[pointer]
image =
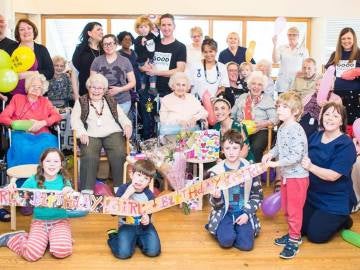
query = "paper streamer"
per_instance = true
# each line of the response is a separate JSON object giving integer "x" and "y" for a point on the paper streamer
{"x": 116, "y": 206}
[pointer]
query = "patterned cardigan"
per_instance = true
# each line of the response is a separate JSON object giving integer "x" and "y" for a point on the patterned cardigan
{"x": 252, "y": 200}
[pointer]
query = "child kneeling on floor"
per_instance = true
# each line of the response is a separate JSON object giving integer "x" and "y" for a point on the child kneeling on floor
{"x": 138, "y": 230}
{"x": 233, "y": 218}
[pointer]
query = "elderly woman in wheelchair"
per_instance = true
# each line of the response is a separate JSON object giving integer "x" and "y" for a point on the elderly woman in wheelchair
{"x": 30, "y": 117}
{"x": 180, "y": 110}
{"x": 100, "y": 122}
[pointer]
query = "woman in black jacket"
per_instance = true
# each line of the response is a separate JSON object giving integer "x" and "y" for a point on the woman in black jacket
{"x": 25, "y": 34}
{"x": 85, "y": 53}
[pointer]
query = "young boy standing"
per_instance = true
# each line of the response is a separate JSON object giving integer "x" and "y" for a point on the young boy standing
{"x": 136, "y": 231}
{"x": 233, "y": 218}
{"x": 291, "y": 147}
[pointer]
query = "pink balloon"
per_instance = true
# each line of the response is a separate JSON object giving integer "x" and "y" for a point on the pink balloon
{"x": 206, "y": 101}
{"x": 271, "y": 205}
{"x": 326, "y": 85}
{"x": 102, "y": 189}
{"x": 356, "y": 129}
{"x": 279, "y": 26}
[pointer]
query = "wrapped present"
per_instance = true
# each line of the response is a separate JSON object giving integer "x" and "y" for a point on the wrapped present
{"x": 203, "y": 145}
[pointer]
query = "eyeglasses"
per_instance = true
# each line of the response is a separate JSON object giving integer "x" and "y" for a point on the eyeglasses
{"x": 110, "y": 44}
{"x": 292, "y": 35}
{"x": 96, "y": 88}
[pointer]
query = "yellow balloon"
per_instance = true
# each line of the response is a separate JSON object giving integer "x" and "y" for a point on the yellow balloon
{"x": 23, "y": 58}
{"x": 8, "y": 80}
{"x": 250, "y": 51}
{"x": 250, "y": 126}
{"x": 5, "y": 61}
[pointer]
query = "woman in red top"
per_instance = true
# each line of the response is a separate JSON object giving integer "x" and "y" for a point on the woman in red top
{"x": 32, "y": 107}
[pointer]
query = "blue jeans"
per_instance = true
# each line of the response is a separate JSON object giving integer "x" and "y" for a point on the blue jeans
{"x": 123, "y": 243}
{"x": 240, "y": 236}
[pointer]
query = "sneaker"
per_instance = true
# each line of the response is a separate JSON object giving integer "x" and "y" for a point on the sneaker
{"x": 283, "y": 240}
{"x": 290, "y": 250}
{"x": 111, "y": 231}
{"x": 4, "y": 238}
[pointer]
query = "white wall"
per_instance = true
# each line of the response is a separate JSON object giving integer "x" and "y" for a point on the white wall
{"x": 288, "y": 8}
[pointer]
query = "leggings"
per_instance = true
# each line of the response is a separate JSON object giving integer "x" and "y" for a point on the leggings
{"x": 31, "y": 246}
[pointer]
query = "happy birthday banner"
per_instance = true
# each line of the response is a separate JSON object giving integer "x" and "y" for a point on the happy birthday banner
{"x": 117, "y": 206}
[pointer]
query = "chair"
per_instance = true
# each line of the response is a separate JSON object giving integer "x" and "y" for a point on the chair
{"x": 14, "y": 173}
{"x": 102, "y": 158}
{"x": 268, "y": 148}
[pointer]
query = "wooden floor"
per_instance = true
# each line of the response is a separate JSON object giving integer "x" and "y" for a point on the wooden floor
{"x": 186, "y": 245}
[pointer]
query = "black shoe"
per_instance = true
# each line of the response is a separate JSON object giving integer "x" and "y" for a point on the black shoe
{"x": 348, "y": 223}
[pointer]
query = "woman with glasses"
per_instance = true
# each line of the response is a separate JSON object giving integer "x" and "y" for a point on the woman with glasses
{"x": 117, "y": 70}
{"x": 26, "y": 147}
{"x": 193, "y": 50}
{"x": 100, "y": 122}
{"x": 208, "y": 75}
{"x": 259, "y": 108}
{"x": 290, "y": 56}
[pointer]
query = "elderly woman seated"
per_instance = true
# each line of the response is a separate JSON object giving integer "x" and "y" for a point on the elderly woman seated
{"x": 259, "y": 108}
{"x": 180, "y": 110}
{"x": 41, "y": 114}
{"x": 100, "y": 122}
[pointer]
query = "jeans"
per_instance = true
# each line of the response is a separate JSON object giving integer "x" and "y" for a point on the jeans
{"x": 240, "y": 236}
{"x": 123, "y": 243}
{"x": 114, "y": 145}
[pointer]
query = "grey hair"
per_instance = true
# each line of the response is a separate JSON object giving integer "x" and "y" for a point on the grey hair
{"x": 257, "y": 75}
{"x": 266, "y": 63}
{"x": 97, "y": 77}
{"x": 176, "y": 76}
{"x": 35, "y": 75}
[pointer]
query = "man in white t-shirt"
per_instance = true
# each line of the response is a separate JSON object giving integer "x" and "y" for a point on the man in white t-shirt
{"x": 169, "y": 58}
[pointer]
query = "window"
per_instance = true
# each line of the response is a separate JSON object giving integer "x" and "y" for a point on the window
{"x": 333, "y": 28}
{"x": 62, "y": 35}
{"x": 220, "y": 34}
{"x": 262, "y": 33}
{"x": 183, "y": 26}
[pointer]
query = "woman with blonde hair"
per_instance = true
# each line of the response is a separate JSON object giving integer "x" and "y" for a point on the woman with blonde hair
{"x": 193, "y": 50}
{"x": 234, "y": 52}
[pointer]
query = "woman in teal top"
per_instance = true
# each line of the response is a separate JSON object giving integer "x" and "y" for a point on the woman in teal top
{"x": 50, "y": 227}
{"x": 222, "y": 109}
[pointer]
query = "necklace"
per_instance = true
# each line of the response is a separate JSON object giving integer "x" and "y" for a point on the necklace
{"x": 217, "y": 73}
{"x": 92, "y": 51}
{"x": 98, "y": 113}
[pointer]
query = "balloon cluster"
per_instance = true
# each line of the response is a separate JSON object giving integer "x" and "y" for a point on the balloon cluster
{"x": 22, "y": 59}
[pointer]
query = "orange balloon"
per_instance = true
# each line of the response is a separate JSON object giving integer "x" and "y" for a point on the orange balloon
{"x": 250, "y": 51}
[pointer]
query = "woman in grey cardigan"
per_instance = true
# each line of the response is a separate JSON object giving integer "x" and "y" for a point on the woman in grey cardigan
{"x": 258, "y": 107}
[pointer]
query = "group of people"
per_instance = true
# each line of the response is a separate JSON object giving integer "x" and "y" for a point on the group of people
{"x": 315, "y": 166}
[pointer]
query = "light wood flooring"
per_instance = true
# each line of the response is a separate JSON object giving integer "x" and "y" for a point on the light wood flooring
{"x": 186, "y": 245}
